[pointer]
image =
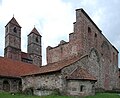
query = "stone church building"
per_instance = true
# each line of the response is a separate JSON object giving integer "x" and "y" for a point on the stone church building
{"x": 86, "y": 64}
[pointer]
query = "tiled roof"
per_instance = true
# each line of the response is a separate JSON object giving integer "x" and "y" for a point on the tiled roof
{"x": 35, "y": 31}
{"x": 14, "y": 68}
{"x": 80, "y": 74}
{"x": 13, "y": 21}
{"x": 57, "y": 66}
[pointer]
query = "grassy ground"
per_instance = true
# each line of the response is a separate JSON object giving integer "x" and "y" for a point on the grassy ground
{"x": 99, "y": 95}
{"x": 105, "y": 95}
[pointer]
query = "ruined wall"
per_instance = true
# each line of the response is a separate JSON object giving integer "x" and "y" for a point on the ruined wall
{"x": 88, "y": 36}
{"x": 10, "y": 84}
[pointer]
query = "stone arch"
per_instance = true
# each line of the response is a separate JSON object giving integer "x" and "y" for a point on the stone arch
{"x": 15, "y": 29}
{"x": 89, "y": 30}
{"x": 6, "y": 86}
{"x": 93, "y": 55}
{"x": 37, "y": 39}
{"x": 105, "y": 49}
{"x": 89, "y": 36}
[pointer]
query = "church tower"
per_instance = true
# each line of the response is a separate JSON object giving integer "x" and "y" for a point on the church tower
{"x": 13, "y": 40}
{"x": 34, "y": 47}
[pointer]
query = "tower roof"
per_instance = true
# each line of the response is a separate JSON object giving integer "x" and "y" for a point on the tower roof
{"x": 13, "y": 21}
{"x": 35, "y": 31}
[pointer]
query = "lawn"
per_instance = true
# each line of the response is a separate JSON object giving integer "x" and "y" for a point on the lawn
{"x": 99, "y": 95}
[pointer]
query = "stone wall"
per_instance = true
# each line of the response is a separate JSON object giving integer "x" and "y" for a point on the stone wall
{"x": 43, "y": 83}
{"x": 12, "y": 41}
{"x": 86, "y": 38}
{"x": 80, "y": 88}
{"x": 10, "y": 84}
{"x": 47, "y": 83}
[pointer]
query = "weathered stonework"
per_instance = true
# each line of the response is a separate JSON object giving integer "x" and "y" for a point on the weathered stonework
{"x": 10, "y": 84}
{"x": 13, "y": 44}
{"x": 47, "y": 83}
{"x": 88, "y": 48}
{"x": 80, "y": 88}
{"x": 87, "y": 39}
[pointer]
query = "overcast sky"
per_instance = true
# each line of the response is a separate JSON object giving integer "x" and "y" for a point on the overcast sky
{"x": 54, "y": 19}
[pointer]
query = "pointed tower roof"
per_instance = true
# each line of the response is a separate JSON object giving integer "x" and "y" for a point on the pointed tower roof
{"x": 35, "y": 31}
{"x": 13, "y": 21}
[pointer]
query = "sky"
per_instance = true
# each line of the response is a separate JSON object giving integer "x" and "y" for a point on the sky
{"x": 54, "y": 19}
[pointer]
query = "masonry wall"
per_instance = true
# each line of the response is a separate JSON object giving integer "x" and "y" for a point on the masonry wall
{"x": 86, "y": 37}
{"x": 10, "y": 84}
{"x": 43, "y": 84}
{"x": 80, "y": 88}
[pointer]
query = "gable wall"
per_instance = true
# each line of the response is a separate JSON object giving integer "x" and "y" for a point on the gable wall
{"x": 81, "y": 42}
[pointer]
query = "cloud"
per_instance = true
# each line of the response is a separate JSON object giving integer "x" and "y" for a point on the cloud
{"x": 54, "y": 18}
{"x": 0, "y": 2}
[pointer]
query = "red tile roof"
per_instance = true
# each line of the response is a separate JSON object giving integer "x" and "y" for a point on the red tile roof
{"x": 14, "y": 68}
{"x": 81, "y": 74}
{"x": 57, "y": 66}
{"x": 35, "y": 31}
{"x": 13, "y": 21}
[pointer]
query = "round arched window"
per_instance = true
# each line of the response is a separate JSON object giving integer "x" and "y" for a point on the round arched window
{"x": 15, "y": 30}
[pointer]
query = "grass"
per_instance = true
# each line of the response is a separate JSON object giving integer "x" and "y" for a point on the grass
{"x": 104, "y": 95}
{"x": 99, "y": 95}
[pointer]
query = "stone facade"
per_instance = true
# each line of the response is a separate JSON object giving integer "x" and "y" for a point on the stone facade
{"x": 13, "y": 44}
{"x": 13, "y": 40}
{"x": 34, "y": 47}
{"x": 43, "y": 83}
{"x": 10, "y": 84}
{"x": 80, "y": 88}
{"x": 88, "y": 39}
{"x": 88, "y": 57}
{"x": 47, "y": 83}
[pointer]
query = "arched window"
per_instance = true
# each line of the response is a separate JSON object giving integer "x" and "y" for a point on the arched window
{"x": 6, "y": 86}
{"x": 106, "y": 50}
{"x": 37, "y": 39}
{"x": 95, "y": 35}
{"x": 15, "y": 29}
{"x": 89, "y": 30}
{"x": 89, "y": 37}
